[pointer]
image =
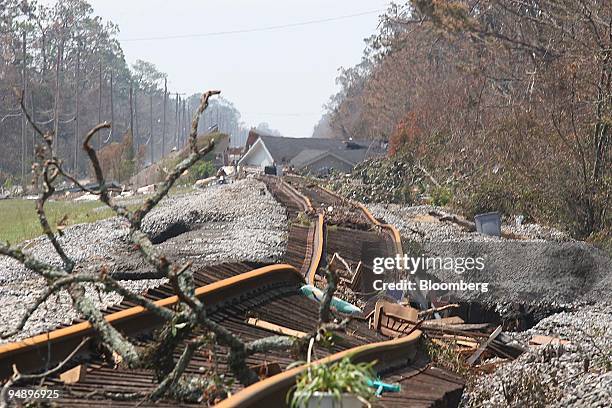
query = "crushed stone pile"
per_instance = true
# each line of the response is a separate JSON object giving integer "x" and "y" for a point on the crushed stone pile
{"x": 577, "y": 374}
{"x": 543, "y": 269}
{"x": 225, "y": 223}
{"x": 416, "y": 224}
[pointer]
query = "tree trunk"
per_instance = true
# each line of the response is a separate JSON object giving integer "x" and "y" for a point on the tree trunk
{"x": 76, "y": 113}
{"x": 112, "y": 108}
{"x": 151, "y": 139}
{"x": 100, "y": 102}
{"x": 132, "y": 112}
{"x": 57, "y": 96}
{"x": 24, "y": 86}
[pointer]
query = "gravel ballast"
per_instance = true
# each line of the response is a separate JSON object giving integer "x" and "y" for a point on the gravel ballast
{"x": 226, "y": 223}
{"x": 555, "y": 375}
{"x": 543, "y": 269}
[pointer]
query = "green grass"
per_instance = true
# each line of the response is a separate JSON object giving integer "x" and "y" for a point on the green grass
{"x": 19, "y": 221}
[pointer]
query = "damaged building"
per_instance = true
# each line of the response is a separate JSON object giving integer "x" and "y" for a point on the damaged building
{"x": 312, "y": 155}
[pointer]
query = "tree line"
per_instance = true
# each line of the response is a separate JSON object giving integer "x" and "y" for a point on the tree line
{"x": 72, "y": 70}
{"x": 507, "y": 102}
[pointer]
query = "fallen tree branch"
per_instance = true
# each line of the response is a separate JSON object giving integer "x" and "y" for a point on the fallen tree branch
{"x": 17, "y": 376}
{"x": 324, "y": 309}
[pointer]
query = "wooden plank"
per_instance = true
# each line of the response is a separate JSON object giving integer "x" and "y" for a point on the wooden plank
{"x": 403, "y": 313}
{"x": 437, "y": 309}
{"x": 262, "y": 324}
{"x": 445, "y": 321}
{"x": 474, "y": 357}
{"x": 539, "y": 340}
{"x": 466, "y": 326}
{"x": 73, "y": 375}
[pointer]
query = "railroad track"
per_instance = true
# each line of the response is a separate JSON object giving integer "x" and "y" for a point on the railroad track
{"x": 354, "y": 233}
{"x": 233, "y": 293}
{"x": 399, "y": 360}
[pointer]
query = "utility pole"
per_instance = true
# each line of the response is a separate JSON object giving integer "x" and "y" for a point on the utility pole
{"x": 176, "y": 120}
{"x": 57, "y": 94}
{"x": 189, "y": 118}
{"x": 24, "y": 85}
{"x": 163, "y": 148}
{"x": 112, "y": 107}
{"x": 76, "y": 114}
{"x": 151, "y": 141}
{"x": 100, "y": 102}
{"x": 184, "y": 130}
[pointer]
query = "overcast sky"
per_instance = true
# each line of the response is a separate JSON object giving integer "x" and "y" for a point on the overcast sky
{"x": 281, "y": 76}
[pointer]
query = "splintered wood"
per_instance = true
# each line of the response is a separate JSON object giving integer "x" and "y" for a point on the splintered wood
{"x": 473, "y": 340}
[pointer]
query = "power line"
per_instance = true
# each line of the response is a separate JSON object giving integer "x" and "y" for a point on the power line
{"x": 281, "y": 113}
{"x": 254, "y": 30}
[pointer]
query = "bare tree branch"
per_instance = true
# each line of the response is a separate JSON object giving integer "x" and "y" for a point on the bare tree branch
{"x": 17, "y": 376}
{"x": 324, "y": 312}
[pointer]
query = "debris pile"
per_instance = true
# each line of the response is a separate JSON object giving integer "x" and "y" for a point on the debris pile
{"x": 474, "y": 341}
{"x": 348, "y": 276}
{"x": 344, "y": 215}
{"x": 568, "y": 362}
{"x": 381, "y": 180}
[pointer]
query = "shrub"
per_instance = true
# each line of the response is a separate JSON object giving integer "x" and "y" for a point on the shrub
{"x": 201, "y": 170}
{"x": 342, "y": 377}
{"x": 441, "y": 196}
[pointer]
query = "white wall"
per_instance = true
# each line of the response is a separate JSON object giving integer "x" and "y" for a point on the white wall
{"x": 257, "y": 156}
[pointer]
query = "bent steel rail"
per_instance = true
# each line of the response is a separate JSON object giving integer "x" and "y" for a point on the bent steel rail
{"x": 318, "y": 246}
{"x": 38, "y": 351}
{"x": 318, "y": 240}
{"x": 297, "y": 196}
{"x": 389, "y": 228}
{"x": 272, "y": 391}
{"x": 48, "y": 348}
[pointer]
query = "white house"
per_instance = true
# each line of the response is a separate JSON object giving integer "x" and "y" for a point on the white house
{"x": 315, "y": 155}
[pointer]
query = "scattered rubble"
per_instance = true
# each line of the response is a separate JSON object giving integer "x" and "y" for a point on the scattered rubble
{"x": 577, "y": 374}
{"x": 380, "y": 180}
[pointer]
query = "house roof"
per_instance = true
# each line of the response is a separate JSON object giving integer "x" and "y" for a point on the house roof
{"x": 251, "y": 139}
{"x": 299, "y": 151}
{"x": 307, "y": 157}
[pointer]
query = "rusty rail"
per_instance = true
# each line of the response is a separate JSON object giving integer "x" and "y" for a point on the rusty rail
{"x": 272, "y": 391}
{"x": 45, "y": 349}
{"x": 30, "y": 354}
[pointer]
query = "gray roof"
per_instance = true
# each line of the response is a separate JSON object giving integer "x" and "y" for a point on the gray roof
{"x": 302, "y": 150}
{"x": 306, "y": 156}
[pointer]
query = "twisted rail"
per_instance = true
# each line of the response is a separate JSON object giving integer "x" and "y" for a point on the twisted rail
{"x": 272, "y": 391}
{"x": 35, "y": 352}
